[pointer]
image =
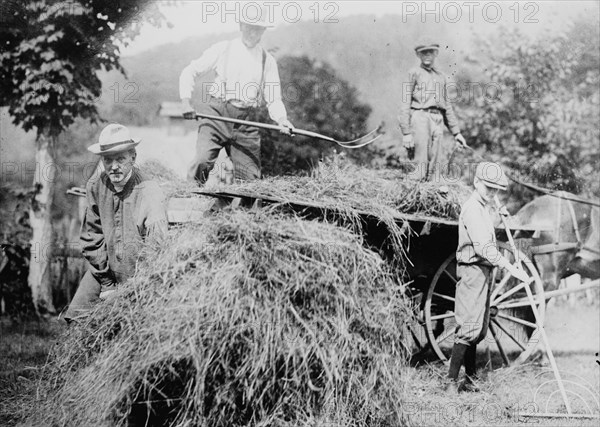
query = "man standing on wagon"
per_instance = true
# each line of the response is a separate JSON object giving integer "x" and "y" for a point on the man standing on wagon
{"x": 424, "y": 111}
{"x": 477, "y": 254}
{"x": 246, "y": 77}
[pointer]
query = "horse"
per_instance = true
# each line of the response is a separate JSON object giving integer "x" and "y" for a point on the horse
{"x": 572, "y": 244}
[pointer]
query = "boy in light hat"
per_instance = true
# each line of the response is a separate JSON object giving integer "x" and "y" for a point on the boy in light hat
{"x": 477, "y": 254}
{"x": 124, "y": 208}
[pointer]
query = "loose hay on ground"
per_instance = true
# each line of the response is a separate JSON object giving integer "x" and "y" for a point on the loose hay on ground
{"x": 246, "y": 319}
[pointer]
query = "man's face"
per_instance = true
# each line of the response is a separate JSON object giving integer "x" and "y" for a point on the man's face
{"x": 118, "y": 165}
{"x": 428, "y": 57}
{"x": 251, "y": 34}
{"x": 486, "y": 193}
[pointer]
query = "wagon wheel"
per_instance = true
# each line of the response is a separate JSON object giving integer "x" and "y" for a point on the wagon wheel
{"x": 512, "y": 324}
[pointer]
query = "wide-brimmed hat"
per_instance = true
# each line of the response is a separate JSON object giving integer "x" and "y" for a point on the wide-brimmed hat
{"x": 114, "y": 138}
{"x": 427, "y": 45}
{"x": 256, "y": 16}
{"x": 492, "y": 175}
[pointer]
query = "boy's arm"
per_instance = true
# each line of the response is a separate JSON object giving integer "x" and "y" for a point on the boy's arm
{"x": 484, "y": 244}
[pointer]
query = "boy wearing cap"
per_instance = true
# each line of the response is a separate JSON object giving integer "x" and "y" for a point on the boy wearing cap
{"x": 246, "y": 76}
{"x": 477, "y": 254}
{"x": 425, "y": 110}
{"x": 124, "y": 208}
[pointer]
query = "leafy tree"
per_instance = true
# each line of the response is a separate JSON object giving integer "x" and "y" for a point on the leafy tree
{"x": 537, "y": 112}
{"x": 51, "y": 52}
{"x": 318, "y": 100}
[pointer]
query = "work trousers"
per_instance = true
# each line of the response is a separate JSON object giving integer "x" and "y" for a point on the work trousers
{"x": 241, "y": 142}
{"x": 86, "y": 296}
{"x": 427, "y": 130}
{"x": 472, "y": 303}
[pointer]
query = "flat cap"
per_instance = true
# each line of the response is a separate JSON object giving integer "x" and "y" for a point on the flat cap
{"x": 427, "y": 46}
{"x": 492, "y": 175}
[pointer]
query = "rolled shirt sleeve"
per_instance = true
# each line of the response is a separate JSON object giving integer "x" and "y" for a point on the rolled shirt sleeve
{"x": 272, "y": 91}
{"x": 482, "y": 235}
{"x": 450, "y": 115}
{"x": 207, "y": 62}
{"x": 405, "y": 103}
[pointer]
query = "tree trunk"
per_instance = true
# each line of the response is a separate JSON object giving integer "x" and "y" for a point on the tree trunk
{"x": 40, "y": 218}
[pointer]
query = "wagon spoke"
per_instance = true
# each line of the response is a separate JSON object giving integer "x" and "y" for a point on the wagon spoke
{"x": 445, "y": 335}
{"x": 443, "y": 316}
{"x": 447, "y": 273}
{"x": 415, "y": 338}
{"x": 522, "y": 302}
{"x": 446, "y": 297}
{"x": 508, "y": 334}
{"x": 512, "y": 291}
{"x": 502, "y": 284}
{"x": 517, "y": 320}
{"x": 500, "y": 349}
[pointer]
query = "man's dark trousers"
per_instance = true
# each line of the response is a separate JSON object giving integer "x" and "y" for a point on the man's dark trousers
{"x": 241, "y": 142}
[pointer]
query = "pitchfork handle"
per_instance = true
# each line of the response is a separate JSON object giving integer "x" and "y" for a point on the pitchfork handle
{"x": 293, "y": 131}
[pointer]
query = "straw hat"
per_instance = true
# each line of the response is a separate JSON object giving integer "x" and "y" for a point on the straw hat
{"x": 114, "y": 138}
{"x": 253, "y": 18}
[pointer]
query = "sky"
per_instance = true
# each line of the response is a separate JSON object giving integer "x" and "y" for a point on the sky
{"x": 190, "y": 18}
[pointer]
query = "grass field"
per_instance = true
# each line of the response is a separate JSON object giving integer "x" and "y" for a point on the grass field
{"x": 24, "y": 348}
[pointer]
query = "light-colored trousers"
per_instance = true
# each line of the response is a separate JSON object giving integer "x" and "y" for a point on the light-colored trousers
{"x": 472, "y": 303}
{"x": 427, "y": 130}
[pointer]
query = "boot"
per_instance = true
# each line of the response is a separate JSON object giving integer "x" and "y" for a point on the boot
{"x": 471, "y": 361}
{"x": 469, "y": 385}
{"x": 452, "y": 386}
{"x": 456, "y": 361}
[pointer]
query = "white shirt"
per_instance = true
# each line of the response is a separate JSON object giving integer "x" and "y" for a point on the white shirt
{"x": 238, "y": 76}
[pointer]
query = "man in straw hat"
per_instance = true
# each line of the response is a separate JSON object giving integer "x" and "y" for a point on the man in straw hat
{"x": 246, "y": 77}
{"x": 476, "y": 256}
{"x": 124, "y": 208}
{"x": 424, "y": 111}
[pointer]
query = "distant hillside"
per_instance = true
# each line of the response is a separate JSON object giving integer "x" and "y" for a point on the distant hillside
{"x": 373, "y": 54}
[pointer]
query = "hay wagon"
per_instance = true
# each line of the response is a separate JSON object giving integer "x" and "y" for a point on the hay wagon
{"x": 430, "y": 246}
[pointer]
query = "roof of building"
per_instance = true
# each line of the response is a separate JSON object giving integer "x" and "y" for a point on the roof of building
{"x": 171, "y": 109}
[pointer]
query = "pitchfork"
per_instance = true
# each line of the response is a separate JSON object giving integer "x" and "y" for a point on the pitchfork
{"x": 356, "y": 143}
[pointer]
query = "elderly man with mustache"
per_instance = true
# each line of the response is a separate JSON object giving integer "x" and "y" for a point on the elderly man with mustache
{"x": 124, "y": 209}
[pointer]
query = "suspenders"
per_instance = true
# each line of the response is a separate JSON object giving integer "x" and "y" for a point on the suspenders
{"x": 261, "y": 98}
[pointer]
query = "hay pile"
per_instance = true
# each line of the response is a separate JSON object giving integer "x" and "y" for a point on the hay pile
{"x": 246, "y": 319}
{"x": 383, "y": 192}
{"x": 350, "y": 191}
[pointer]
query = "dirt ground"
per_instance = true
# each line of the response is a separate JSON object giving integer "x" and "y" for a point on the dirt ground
{"x": 507, "y": 393}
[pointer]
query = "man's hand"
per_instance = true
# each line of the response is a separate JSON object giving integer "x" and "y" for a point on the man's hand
{"x": 407, "y": 141}
{"x": 460, "y": 140}
{"x": 188, "y": 111}
{"x": 503, "y": 211}
{"x": 287, "y": 128}
{"x": 107, "y": 288}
